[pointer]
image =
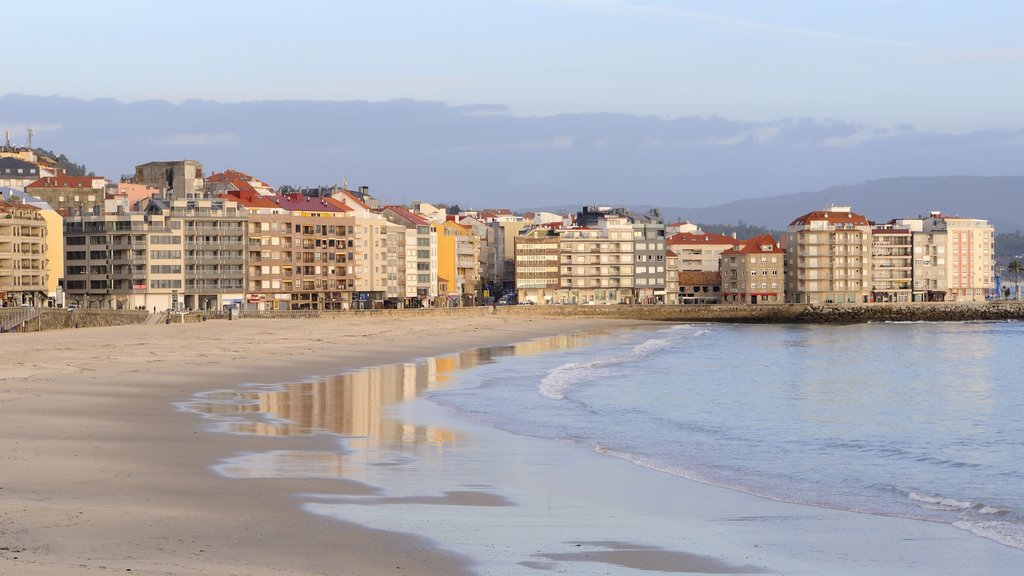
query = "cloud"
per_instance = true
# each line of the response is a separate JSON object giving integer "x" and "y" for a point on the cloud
{"x": 406, "y": 148}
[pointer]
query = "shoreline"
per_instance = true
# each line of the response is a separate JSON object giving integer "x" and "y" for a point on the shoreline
{"x": 41, "y": 319}
{"x": 102, "y": 473}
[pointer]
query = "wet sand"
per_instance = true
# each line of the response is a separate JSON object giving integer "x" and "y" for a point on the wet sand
{"x": 100, "y": 473}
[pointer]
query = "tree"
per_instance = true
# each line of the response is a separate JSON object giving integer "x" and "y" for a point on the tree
{"x": 1016, "y": 267}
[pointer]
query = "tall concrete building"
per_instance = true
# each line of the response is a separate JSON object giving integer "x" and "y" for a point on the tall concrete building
{"x": 182, "y": 178}
{"x": 537, "y": 258}
{"x": 954, "y": 258}
{"x": 183, "y": 254}
{"x": 417, "y": 257}
{"x": 596, "y": 264}
{"x": 23, "y": 278}
{"x": 892, "y": 263}
{"x": 828, "y": 257}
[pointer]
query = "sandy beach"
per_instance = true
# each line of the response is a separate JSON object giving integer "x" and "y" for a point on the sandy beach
{"x": 106, "y": 469}
{"x": 102, "y": 474}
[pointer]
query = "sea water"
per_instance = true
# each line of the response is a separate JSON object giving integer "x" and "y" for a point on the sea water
{"x": 916, "y": 420}
{"x": 552, "y": 453}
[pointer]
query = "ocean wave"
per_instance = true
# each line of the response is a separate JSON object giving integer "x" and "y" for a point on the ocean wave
{"x": 561, "y": 379}
{"x": 1006, "y": 533}
{"x": 940, "y": 503}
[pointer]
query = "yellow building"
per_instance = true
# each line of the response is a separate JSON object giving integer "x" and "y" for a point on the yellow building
{"x": 458, "y": 271}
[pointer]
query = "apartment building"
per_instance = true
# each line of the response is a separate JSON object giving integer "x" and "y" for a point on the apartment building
{"x": 954, "y": 258}
{"x": 23, "y": 278}
{"x": 54, "y": 241}
{"x": 892, "y": 263}
{"x": 699, "y": 251}
{"x": 753, "y": 272}
{"x": 70, "y": 194}
{"x": 537, "y": 260}
{"x": 417, "y": 255}
{"x": 596, "y": 264}
{"x": 180, "y": 254}
{"x": 18, "y": 172}
{"x": 649, "y": 259}
{"x": 124, "y": 261}
{"x": 828, "y": 257}
{"x": 458, "y": 271}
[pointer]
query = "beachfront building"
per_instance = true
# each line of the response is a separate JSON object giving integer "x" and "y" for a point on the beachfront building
{"x": 752, "y": 272}
{"x": 699, "y": 251}
{"x": 487, "y": 256}
{"x": 892, "y": 263}
{"x": 124, "y": 261}
{"x": 458, "y": 272}
{"x": 596, "y": 264}
{"x": 671, "y": 277}
{"x": 697, "y": 287}
{"x": 648, "y": 249}
{"x": 537, "y": 258}
{"x": 181, "y": 178}
{"x": 649, "y": 259}
{"x": 54, "y": 241}
{"x": 954, "y": 258}
{"x": 828, "y": 257}
{"x": 70, "y": 194}
{"x": 416, "y": 251}
{"x": 23, "y": 272}
{"x": 182, "y": 254}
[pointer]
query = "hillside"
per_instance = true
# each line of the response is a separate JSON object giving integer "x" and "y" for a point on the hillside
{"x": 997, "y": 199}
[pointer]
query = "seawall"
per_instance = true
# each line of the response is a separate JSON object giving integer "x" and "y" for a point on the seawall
{"x": 54, "y": 318}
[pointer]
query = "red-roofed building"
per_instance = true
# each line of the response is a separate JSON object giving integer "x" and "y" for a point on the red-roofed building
{"x": 697, "y": 287}
{"x": 753, "y": 272}
{"x": 828, "y": 257}
{"x": 233, "y": 180}
{"x": 417, "y": 255}
{"x": 70, "y": 194}
{"x": 699, "y": 251}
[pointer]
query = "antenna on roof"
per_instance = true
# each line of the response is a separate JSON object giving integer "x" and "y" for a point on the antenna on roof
{"x": 30, "y": 134}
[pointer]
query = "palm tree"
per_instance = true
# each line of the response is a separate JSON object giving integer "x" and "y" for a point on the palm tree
{"x": 1016, "y": 267}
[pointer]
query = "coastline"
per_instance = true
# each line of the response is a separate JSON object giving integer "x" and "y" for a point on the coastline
{"x": 101, "y": 473}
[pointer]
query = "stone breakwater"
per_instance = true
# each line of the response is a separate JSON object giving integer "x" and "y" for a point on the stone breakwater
{"x": 792, "y": 313}
{"x": 52, "y": 319}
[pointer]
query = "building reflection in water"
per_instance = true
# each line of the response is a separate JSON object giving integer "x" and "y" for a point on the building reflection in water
{"x": 351, "y": 404}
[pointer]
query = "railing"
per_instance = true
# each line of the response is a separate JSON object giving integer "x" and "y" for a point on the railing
{"x": 11, "y": 321}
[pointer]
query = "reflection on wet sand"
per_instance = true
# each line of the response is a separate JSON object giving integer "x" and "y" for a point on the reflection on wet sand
{"x": 350, "y": 404}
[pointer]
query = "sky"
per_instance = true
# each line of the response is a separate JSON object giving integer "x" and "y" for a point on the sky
{"x": 522, "y": 103}
{"x": 946, "y": 66}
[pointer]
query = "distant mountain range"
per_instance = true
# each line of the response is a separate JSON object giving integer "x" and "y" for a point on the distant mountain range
{"x": 998, "y": 199}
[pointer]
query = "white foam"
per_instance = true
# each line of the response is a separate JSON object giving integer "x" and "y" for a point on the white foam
{"x": 939, "y": 503}
{"x": 561, "y": 379}
{"x": 1006, "y": 533}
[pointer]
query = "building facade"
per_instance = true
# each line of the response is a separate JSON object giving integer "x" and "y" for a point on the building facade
{"x": 828, "y": 258}
{"x": 23, "y": 277}
{"x": 753, "y": 272}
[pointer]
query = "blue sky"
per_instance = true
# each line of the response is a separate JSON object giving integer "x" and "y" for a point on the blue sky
{"x": 940, "y": 66}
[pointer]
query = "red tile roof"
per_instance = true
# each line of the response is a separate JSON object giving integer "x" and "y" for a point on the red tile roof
{"x": 412, "y": 217}
{"x": 697, "y": 278}
{"x": 307, "y": 203}
{"x": 831, "y": 217}
{"x": 64, "y": 182}
{"x": 756, "y": 245}
{"x": 702, "y": 238}
{"x": 250, "y": 199}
